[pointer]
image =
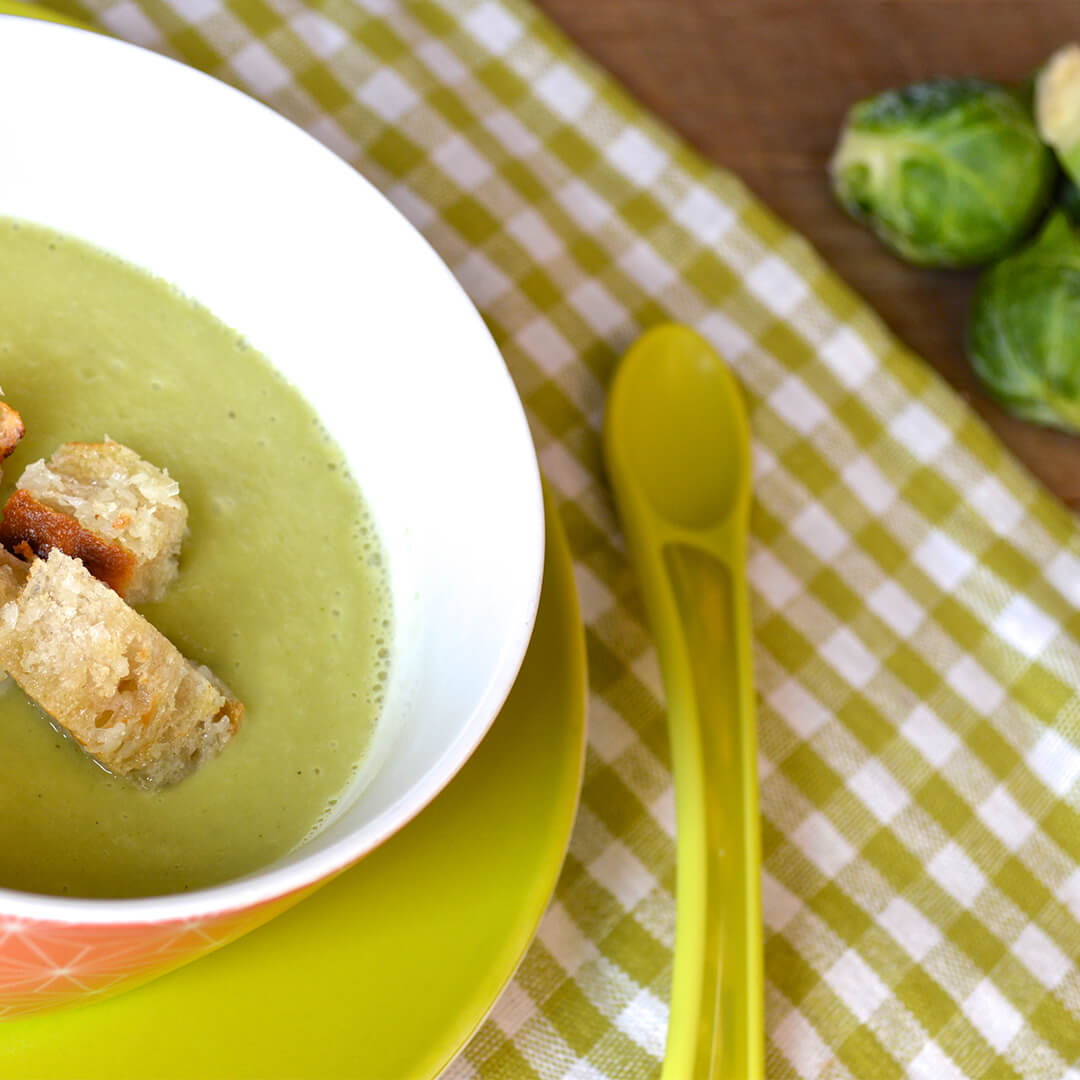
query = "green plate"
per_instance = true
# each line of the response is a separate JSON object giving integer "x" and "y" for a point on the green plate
{"x": 384, "y": 973}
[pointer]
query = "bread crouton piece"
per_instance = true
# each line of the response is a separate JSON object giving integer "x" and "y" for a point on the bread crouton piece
{"x": 28, "y": 523}
{"x": 13, "y": 573}
{"x": 105, "y": 505}
{"x": 11, "y": 430}
{"x": 117, "y": 685}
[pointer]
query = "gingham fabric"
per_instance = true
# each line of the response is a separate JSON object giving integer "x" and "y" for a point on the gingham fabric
{"x": 915, "y": 594}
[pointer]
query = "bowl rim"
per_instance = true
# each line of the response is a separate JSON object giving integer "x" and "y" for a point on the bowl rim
{"x": 299, "y": 874}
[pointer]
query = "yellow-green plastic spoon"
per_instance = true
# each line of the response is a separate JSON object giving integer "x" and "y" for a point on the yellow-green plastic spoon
{"x": 678, "y": 455}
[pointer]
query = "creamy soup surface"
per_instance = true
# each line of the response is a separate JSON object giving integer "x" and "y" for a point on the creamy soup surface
{"x": 282, "y": 588}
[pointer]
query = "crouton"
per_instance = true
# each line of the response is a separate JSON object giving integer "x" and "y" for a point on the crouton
{"x": 13, "y": 573}
{"x": 28, "y": 523}
{"x": 110, "y": 679}
{"x": 11, "y": 430}
{"x": 104, "y": 505}
{"x": 12, "y": 578}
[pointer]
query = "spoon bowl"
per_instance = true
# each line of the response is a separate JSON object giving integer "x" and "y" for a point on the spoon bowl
{"x": 679, "y": 424}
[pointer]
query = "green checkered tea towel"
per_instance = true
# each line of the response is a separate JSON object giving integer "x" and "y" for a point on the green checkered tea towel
{"x": 916, "y": 597}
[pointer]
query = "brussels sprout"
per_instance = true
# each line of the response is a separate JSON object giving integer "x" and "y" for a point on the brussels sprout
{"x": 1023, "y": 338}
{"x": 1057, "y": 107}
{"x": 948, "y": 173}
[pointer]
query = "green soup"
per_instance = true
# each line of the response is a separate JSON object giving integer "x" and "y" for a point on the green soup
{"x": 282, "y": 589}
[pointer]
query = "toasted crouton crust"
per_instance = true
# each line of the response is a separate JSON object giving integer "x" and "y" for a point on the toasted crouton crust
{"x": 12, "y": 430}
{"x": 28, "y": 521}
{"x": 114, "y": 682}
{"x": 102, "y": 503}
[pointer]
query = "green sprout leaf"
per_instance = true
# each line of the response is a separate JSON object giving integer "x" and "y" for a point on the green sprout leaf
{"x": 1069, "y": 200}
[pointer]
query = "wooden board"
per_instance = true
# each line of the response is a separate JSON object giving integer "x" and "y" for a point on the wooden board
{"x": 762, "y": 87}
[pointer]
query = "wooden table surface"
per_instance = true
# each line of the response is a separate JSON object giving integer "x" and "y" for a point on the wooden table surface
{"x": 761, "y": 87}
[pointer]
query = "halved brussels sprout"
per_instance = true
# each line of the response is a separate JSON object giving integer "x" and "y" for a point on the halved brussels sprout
{"x": 948, "y": 173}
{"x": 1057, "y": 107}
{"x": 1024, "y": 334}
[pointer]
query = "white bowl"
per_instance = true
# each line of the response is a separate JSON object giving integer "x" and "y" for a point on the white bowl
{"x": 194, "y": 181}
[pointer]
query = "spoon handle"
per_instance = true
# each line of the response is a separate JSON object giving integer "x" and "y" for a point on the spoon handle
{"x": 716, "y": 1021}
